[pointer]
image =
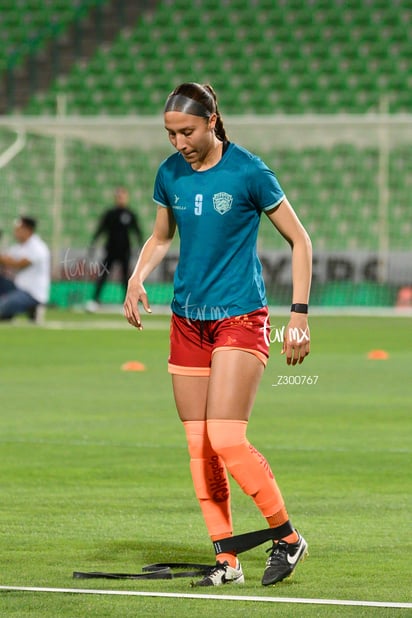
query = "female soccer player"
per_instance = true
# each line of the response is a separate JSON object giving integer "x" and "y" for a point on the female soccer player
{"x": 214, "y": 191}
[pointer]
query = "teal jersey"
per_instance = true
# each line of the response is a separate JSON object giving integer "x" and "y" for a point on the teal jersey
{"x": 217, "y": 213}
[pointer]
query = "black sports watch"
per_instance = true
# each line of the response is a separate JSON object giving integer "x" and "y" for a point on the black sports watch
{"x": 299, "y": 308}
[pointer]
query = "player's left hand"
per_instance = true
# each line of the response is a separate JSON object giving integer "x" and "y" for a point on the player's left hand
{"x": 296, "y": 341}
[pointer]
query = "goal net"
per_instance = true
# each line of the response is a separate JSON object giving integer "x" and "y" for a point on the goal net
{"x": 348, "y": 177}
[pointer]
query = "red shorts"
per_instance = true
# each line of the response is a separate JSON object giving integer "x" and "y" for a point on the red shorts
{"x": 193, "y": 342}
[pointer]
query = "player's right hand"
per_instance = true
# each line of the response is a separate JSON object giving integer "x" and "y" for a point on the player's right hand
{"x": 135, "y": 293}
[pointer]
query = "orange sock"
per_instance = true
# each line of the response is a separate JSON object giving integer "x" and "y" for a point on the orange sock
{"x": 247, "y": 466}
{"x": 281, "y": 518}
{"x": 231, "y": 559}
{"x": 210, "y": 481}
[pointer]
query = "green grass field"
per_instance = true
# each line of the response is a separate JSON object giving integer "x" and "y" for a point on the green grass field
{"x": 95, "y": 476}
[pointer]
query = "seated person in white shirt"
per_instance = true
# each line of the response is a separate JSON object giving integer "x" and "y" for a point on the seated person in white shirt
{"x": 29, "y": 263}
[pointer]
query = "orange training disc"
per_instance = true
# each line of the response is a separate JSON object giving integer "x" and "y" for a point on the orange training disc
{"x": 378, "y": 355}
{"x": 133, "y": 366}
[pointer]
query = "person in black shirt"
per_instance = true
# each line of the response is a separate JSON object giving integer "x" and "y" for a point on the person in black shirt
{"x": 117, "y": 224}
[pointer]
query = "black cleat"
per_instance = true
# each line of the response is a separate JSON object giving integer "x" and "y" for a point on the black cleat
{"x": 283, "y": 559}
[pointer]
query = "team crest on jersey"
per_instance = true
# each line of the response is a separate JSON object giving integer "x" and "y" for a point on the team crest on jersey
{"x": 222, "y": 202}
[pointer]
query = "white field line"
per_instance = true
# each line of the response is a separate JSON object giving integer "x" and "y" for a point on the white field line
{"x": 215, "y": 597}
{"x": 150, "y": 322}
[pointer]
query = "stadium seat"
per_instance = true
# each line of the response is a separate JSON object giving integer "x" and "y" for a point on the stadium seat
{"x": 238, "y": 36}
{"x": 263, "y": 57}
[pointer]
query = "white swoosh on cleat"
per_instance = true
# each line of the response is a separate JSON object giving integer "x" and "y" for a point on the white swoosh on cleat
{"x": 293, "y": 559}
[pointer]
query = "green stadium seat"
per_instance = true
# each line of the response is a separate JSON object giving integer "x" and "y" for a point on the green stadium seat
{"x": 263, "y": 57}
{"x": 232, "y": 45}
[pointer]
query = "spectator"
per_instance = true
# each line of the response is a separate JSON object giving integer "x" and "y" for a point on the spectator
{"x": 28, "y": 262}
